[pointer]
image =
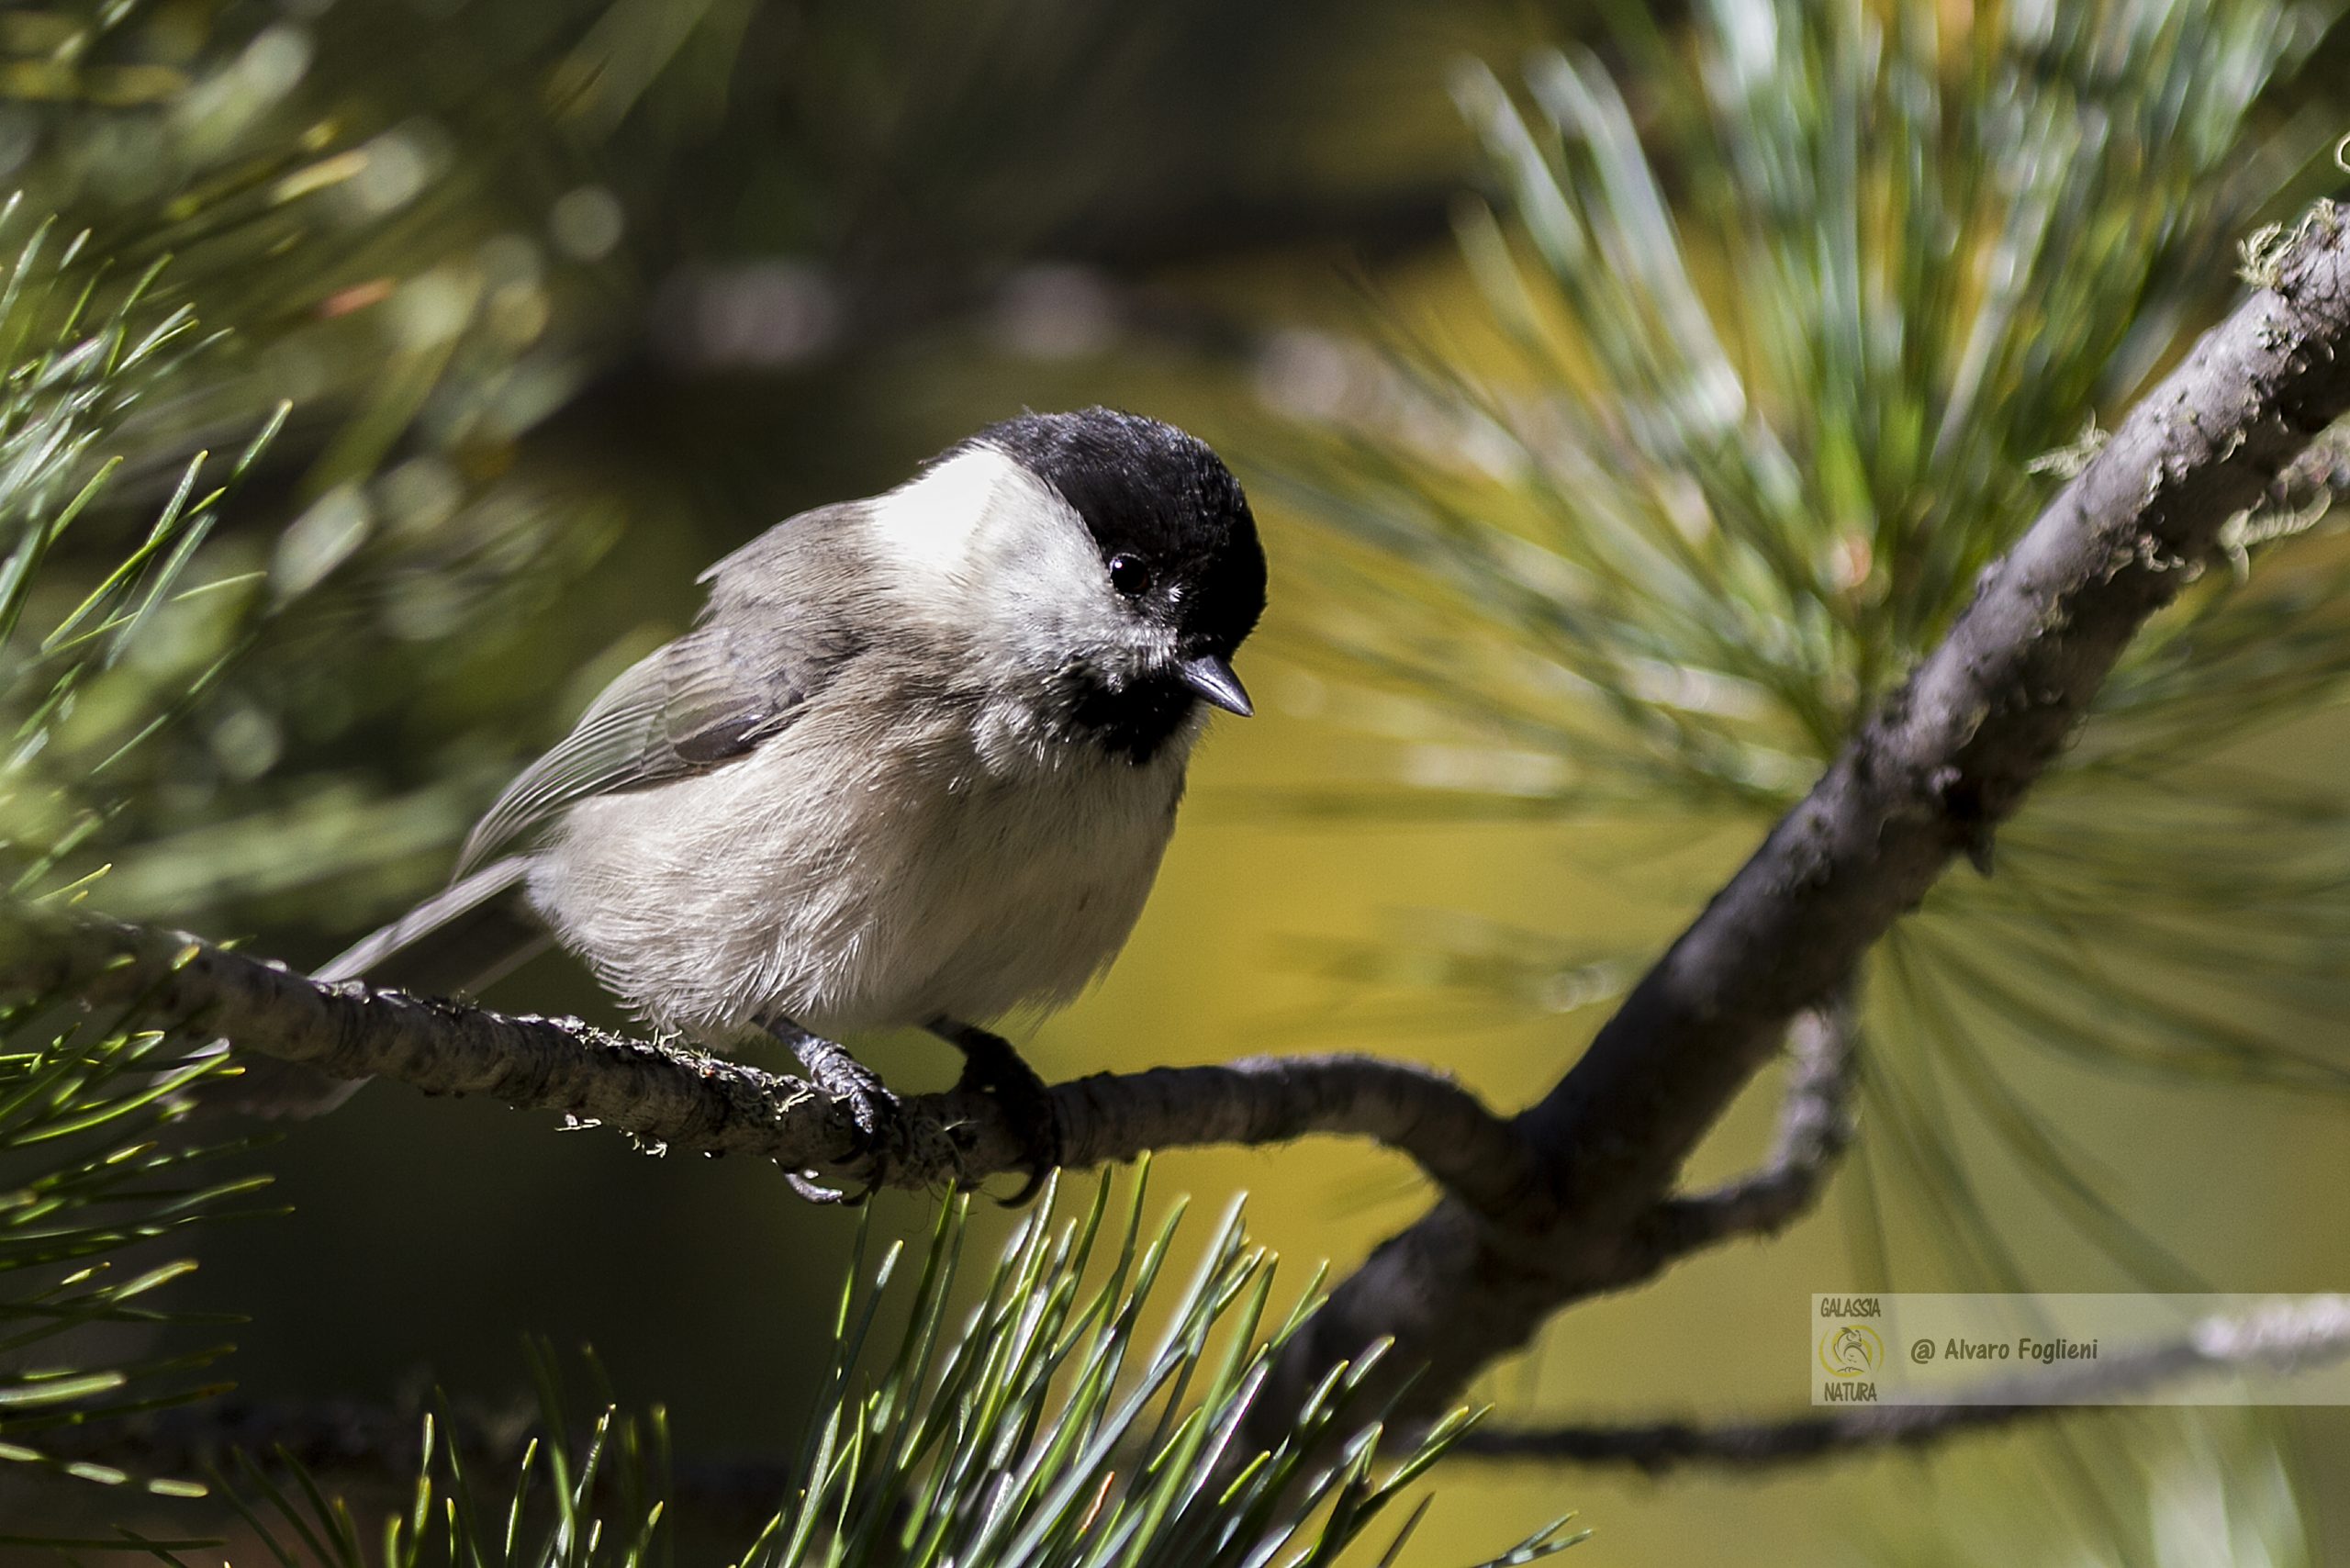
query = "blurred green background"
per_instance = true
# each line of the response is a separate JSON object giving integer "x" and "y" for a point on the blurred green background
{"x": 571, "y": 299}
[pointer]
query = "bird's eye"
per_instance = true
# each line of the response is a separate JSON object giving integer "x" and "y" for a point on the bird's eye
{"x": 1130, "y": 574}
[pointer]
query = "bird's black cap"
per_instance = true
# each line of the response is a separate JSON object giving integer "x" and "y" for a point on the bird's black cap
{"x": 1147, "y": 490}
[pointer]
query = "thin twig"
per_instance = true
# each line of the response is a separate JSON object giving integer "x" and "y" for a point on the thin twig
{"x": 2293, "y": 1337}
{"x": 1815, "y": 1128}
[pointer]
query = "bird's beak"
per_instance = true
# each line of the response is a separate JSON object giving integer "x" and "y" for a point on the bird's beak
{"x": 1212, "y": 679}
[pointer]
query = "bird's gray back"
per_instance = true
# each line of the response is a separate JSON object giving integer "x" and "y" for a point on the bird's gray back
{"x": 778, "y": 626}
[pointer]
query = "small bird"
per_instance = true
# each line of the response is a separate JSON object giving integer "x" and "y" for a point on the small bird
{"x": 915, "y": 765}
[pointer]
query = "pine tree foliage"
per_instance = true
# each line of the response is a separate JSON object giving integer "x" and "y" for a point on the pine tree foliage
{"x": 1052, "y": 1428}
{"x": 1788, "y": 326}
{"x": 99, "y": 1175}
{"x": 352, "y": 231}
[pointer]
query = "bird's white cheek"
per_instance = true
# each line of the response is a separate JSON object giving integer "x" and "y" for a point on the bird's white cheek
{"x": 979, "y": 545}
{"x": 924, "y": 529}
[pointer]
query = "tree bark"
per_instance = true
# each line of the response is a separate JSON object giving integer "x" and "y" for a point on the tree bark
{"x": 665, "y": 1096}
{"x": 1929, "y": 778}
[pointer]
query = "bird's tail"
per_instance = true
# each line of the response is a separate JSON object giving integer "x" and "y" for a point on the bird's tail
{"x": 462, "y": 938}
{"x": 442, "y": 917}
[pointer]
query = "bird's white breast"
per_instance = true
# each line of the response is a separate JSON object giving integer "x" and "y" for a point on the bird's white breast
{"x": 852, "y": 878}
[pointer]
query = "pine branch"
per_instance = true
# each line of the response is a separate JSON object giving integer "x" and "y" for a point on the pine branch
{"x": 666, "y": 1096}
{"x": 1929, "y": 779}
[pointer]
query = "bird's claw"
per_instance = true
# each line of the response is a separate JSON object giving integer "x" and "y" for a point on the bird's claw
{"x": 990, "y": 1067}
{"x": 814, "y": 1192}
{"x": 880, "y": 1121}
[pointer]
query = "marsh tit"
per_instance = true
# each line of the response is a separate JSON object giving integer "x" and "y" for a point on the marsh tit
{"x": 915, "y": 765}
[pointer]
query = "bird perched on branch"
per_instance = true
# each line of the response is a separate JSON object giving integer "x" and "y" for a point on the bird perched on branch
{"x": 915, "y": 765}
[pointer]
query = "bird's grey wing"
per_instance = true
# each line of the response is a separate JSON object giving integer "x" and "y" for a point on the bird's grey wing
{"x": 709, "y": 697}
{"x": 694, "y": 704}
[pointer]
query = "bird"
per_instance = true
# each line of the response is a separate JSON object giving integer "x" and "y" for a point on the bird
{"x": 915, "y": 765}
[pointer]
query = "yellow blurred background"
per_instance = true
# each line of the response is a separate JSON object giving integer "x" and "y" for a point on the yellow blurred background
{"x": 839, "y": 241}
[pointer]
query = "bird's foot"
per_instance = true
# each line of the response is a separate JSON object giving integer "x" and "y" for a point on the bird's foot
{"x": 870, "y": 1105}
{"x": 991, "y": 1067}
